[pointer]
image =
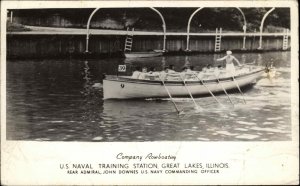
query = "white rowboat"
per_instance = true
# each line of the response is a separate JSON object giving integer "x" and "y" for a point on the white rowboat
{"x": 124, "y": 87}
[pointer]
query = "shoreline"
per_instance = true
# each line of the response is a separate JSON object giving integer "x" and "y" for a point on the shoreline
{"x": 86, "y": 56}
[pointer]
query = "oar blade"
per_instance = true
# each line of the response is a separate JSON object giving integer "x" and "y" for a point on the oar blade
{"x": 184, "y": 84}
{"x": 168, "y": 92}
{"x": 237, "y": 85}
{"x": 198, "y": 109}
{"x": 181, "y": 112}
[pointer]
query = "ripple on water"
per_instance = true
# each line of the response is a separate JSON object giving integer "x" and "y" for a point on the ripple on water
{"x": 264, "y": 139}
{"x": 110, "y": 138}
{"x": 241, "y": 129}
{"x": 268, "y": 123}
{"x": 107, "y": 133}
{"x": 203, "y": 139}
{"x": 55, "y": 121}
{"x": 247, "y": 136}
{"x": 42, "y": 139}
{"x": 267, "y": 130}
{"x": 277, "y": 118}
{"x": 246, "y": 123}
{"x": 226, "y": 133}
{"x": 98, "y": 138}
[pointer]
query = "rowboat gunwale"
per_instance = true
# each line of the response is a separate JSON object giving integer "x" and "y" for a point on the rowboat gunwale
{"x": 127, "y": 79}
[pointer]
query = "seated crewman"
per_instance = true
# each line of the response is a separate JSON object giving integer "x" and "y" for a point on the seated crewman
{"x": 171, "y": 69}
{"x": 163, "y": 74}
{"x": 187, "y": 73}
{"x": 152, "y": 74}
{"x": 136, "y": 73}
{"x": 209, "y": 74}
{"x": 202, "y": 73}
{"x": 173, "y": 75}
{"x": 220, "y": 72}
{"x": 143, "y": 73}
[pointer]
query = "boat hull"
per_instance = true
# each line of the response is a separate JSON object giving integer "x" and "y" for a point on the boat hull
{"x": 126, "y": 88}
{"x": 142, "y": 54}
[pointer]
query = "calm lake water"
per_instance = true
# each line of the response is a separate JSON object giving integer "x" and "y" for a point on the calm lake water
{"x": 61, "y": 100}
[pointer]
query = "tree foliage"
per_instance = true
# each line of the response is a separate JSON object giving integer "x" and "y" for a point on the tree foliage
{"x": 206, "y": 20}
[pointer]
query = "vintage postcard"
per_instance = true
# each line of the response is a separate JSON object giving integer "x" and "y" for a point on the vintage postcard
{"x": 149, "y": 92}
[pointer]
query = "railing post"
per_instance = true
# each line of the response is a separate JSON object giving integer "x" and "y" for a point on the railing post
{"x": 260, "y": 38}
{"x": 163, "y": 25}
{"x": 164, "y": 43}
{"x": 244, "y": 28}
{"x": 188, "y": 29}
{"x": 87, "y": 43}
{"x": 244, "y": 38}
{"x": 11, "y": 16}
{"x": 262, "y": 26}
{"x": 88, "y": 30}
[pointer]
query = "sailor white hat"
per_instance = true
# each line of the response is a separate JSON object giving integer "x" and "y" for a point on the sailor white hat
{"x": 228, "y": 52}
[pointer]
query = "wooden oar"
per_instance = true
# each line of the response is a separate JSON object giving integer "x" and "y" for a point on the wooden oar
{"x": 176, "y": 107}
{"x": 237, "y": 85}
{"x": 196, "y": 105}
{"x": 224, "y": 90}
{"x": 208, "y": 89}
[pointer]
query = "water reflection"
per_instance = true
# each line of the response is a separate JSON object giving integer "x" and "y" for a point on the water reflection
{"x": 129, "y": 60}
{"x": 163, "y": 62}
{"x": 187, "y": 61}
{"x": 243, "y": 59}
{"x": 285, "y": 55}
{"x": 59, "y": 100}
{"x": 259, "y": 60}
{"x": 217, "y": 56}
{"x": 86, "y": 77}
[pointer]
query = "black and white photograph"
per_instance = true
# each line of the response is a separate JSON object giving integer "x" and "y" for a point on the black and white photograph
{"x": 155, "y": 73}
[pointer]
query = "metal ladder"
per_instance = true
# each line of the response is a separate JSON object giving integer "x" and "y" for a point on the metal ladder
{"x": 128, "y": 40}
{"x": 218, "y": 40}
{"x": 285, "y": 42}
